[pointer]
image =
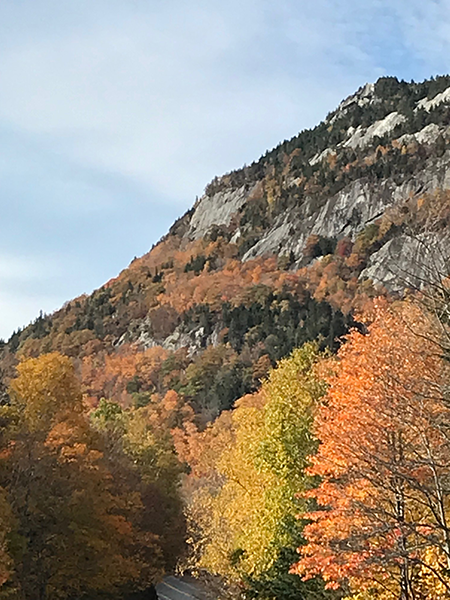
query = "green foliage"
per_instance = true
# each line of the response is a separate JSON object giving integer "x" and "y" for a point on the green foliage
{"x": 247, "y": 241}
{"x": 255, "y": 214}
{"x": 322, "y": 246}
{"x": 141, "y": 399}
{"x": 41, "y": 326}
{"x": 277, "y": 583}
{"x": 215, "y": 380}
{"x": 196, "y": 264}
{"x": 108, "y": 415}
{"x": 282, "y": 322}
{"x": 95, "y": 309}
{"x": 265, "y": 323}
{"x": 134, "y": 385}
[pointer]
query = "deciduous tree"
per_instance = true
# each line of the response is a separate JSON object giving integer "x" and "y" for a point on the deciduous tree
{"x": 383, "y": 459}
{"x": 245, "y": 498}
{"x": 77, "y": 531}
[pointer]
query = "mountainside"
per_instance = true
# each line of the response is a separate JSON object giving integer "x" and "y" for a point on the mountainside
{"x": 272, "y": 255}
{"x": 380, "y": 147}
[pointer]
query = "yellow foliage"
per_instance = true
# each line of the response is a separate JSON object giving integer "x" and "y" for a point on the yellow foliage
{"x": 433, "y": 579}
{"x": 45, "y": 387}
{"x": 243, "y": 509}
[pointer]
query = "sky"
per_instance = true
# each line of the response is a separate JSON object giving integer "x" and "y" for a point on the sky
{"x": 115, "y": 114}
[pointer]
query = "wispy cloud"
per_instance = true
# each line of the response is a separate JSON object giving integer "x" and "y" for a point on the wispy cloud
{"x": 176, "y": 89}
{"x": 114, "y": 115}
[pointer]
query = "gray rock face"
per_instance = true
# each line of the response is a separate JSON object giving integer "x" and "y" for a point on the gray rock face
{"x": 345, "y": 214}
{"x": 195, "y": 339}
{"x": 438, "y": 99}
{"x": 362, "y": 137}
{"x": 216, "y": 210}
{"x": 349, "y": 211}
{"x": 362, "y": 97}
{"x": 409, "y": 261}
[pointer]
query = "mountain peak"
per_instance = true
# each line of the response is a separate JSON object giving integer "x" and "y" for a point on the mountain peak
{"x": 364, "y": 96}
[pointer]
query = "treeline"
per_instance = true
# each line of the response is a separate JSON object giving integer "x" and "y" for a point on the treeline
{"x": 390, "y": 95}
{"x": 334, "y": 479}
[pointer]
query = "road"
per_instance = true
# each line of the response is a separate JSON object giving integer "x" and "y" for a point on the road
{"x": 180, "y": 588}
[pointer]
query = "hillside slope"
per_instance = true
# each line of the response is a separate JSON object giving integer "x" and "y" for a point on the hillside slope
{"x": 272, "y": 255}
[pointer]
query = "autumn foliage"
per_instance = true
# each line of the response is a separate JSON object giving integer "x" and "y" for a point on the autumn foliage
{"x": 371, "y": 494}
{"x": 191, "y": 412}
{"x": 344, "y": 458}
{"x": 88, "y": 506}
{"x": 382, "y": 518}
{"x": 245, "y": 471}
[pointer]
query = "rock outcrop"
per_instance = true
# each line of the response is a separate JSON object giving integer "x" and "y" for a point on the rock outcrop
{"x": 381, "y": 144}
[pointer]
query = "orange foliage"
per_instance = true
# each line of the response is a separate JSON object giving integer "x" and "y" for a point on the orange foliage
{"x": 382, "y": 450}
{"x": 166, "y": 414}
{"x": 184, "y": 290}
{"x": 334, "y": 279}
{"x": 106, "y": 375}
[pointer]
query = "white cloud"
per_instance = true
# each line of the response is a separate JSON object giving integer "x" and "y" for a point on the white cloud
{"x": 426, "y": 30}
{"x": 164, "y": 97}
{"x": 114, "y": 114}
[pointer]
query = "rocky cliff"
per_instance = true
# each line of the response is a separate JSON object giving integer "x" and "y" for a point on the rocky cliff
{"x": 382, "y": 146}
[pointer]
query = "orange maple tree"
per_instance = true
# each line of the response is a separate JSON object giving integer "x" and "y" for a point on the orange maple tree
{"x": 383, "y": 460}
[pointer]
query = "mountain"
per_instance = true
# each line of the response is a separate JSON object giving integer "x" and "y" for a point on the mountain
{"x": 380, "y": 147}
{"x": 279, "y": 252}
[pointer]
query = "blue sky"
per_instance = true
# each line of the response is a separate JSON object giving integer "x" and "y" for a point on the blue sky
{"x": 115, "y": 114}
